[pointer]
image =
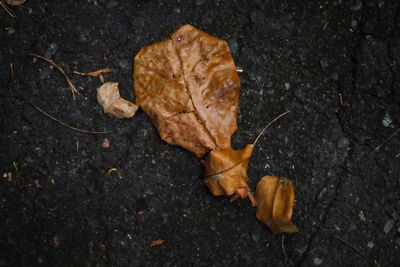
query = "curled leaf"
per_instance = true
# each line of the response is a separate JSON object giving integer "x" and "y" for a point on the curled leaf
{"x": 109, "y": 98}
{"x": 189, "y": 87}
{"x": 226, "y": 172}
{"x": 275, "y": 196}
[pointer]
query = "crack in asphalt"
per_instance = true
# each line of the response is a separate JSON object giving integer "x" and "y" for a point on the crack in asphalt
{"x": 337, "y": 181}
{"x": 389, "y": 48}
{"x": 341, "y": 169}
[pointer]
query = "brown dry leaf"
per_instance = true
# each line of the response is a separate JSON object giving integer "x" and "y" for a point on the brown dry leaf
{"x": 15, "y": 2}
{"x": 189, "y": 87}
{"x": 109, "y": 98}
{"x": 157, "y": 242}
{"x": 275, "y": 196}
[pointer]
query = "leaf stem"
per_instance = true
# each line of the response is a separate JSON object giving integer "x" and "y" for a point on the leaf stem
{"x": 268, "y": 125}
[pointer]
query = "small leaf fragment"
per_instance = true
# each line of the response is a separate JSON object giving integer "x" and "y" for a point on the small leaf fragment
{"x": 106, "y": 143}
{"x": 157, "y": 242}
{"x": 141, "y": 205}
{"x": 111, "y": 170}
{"x": 15, "y": 2}
{"x": 9, "y": 30}
{"x": 109, "y": 98}
{"x": 275, "y": 196}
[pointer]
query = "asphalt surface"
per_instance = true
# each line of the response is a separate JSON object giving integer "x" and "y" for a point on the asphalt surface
{"x": 333, "y": 64}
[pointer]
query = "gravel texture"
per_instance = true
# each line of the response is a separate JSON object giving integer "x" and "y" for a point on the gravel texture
{"x": 333, "y": 64}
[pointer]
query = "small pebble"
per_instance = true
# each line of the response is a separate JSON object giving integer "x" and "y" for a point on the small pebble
{"x": 354, "y": 24}
{"x": 388, "y": 226}
{"x": 301, "y": 250}
{"x": 352, "y": 227}
{"x": 386, "y": 120}
{"x": 125, "y": 64}
{"x": 324, "y": 63}
{"x": 51, "y": 51}
{"x": 357, "y": 7}
{"x": 287, "y": 86}
{"x": 321, "y": 193}
{"x": 362, "y": 216}
{"x": 148, "y": 192}
{"x": 334, "y": 76}
{"x": 255, "y": 236}
{"x": 318, "y": 261}
{"x": 56, "y": 241}
{"x": 111, "y": 4}
{"x": 343, "y": 142}
{"x": 200, "y": 2}
{"x": 270, "y": 92}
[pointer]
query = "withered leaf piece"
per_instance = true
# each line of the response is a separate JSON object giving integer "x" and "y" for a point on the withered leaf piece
{"x": 157, "y": 242}
{"x": 109, "y": 98}
{"x": 226, "y": 172}
{"x": 189, "y": 87}
{"x": 275, "y": 196}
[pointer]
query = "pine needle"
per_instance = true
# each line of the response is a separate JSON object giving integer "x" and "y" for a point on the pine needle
{"x": 66, "y": 125}
{"x": 355, "y": 249}
{"x": 387, "y": 139}
{"x": 71, "y": 86}
{"x": 7, "y": 9}
{"x": 12, "y": 78}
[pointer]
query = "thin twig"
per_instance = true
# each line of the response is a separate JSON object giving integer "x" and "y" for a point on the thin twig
{"x": 71, "y": 86}
{"x": 12, "y": 78}
{"x": 387, "y": 139}
{"x": 7, "y": 9}
{"x": 66, "y": 125}
{"x": 356, "y": 249}
{"x": 269, "y": 124}
{"x": 253, "y": 200}
{"x": 94, "y": 73}
{"x": 246, "y": 190}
